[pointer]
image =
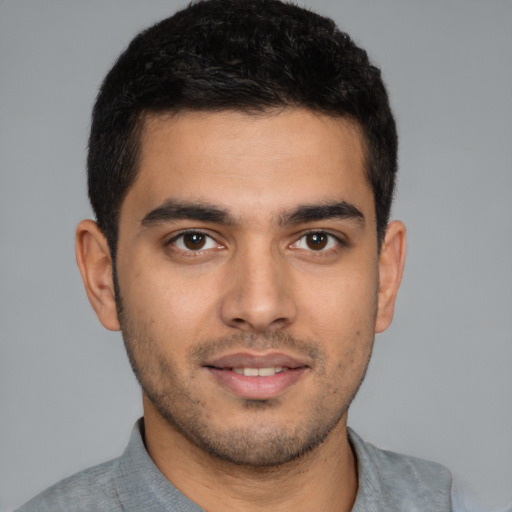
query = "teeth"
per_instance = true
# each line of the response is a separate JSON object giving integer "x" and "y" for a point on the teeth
{"x": 250, "y": 372}
{"x": 267, "y": 372}
{"x": 259, "y": 372}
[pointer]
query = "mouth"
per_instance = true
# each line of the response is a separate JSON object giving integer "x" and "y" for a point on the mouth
{"x": 260, "y": 372}
{"x": 257, "y": 376}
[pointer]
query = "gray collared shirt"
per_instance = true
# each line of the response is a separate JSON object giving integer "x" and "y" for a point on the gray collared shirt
{"x": 132, "y": 483}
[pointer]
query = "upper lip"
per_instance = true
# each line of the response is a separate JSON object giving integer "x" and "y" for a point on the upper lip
{"x": 255, "y": 360}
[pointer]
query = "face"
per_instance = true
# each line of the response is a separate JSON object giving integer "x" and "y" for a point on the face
{"x": 248, "y": 273}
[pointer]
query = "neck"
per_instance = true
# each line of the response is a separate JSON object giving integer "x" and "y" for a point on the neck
{"x": 323, "y": 480}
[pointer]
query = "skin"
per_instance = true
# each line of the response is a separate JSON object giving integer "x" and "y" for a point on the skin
{"x": 260, "y": 286}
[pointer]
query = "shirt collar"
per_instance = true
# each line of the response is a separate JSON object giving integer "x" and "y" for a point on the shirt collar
{"x": 141, "y": 486}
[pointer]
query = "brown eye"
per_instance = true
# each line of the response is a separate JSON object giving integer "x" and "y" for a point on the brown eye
{"x": 194, "y": 241}
{"x": 317, "y": 241}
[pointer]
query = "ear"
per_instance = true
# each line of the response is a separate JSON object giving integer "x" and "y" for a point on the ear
{"x": 95, "y": 264}
{"x": 391, "y": 268}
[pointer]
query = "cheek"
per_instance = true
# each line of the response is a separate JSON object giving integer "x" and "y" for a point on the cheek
{"x": 169, "y": 304}
{"x": 342, "y": 305}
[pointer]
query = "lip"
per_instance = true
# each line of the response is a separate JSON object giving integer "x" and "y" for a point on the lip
{"x": 257, "y": 360}
{"x": 257, "y": 388}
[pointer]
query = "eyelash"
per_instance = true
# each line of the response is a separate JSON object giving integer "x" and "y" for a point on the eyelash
{"x": 182, "y": 234}
{"x": 338, "y": 241}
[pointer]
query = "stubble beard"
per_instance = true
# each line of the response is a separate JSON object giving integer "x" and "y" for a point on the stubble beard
{"x": 258, "y": 445}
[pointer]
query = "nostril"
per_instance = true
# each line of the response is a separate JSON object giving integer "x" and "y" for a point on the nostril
{"x": 258, "y": 307}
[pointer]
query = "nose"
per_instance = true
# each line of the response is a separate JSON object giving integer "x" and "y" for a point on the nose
{"x": 259, "y": 295}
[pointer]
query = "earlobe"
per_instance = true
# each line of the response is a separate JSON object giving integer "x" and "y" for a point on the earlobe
{"x": 391, "y": 267}
{"x": 95, "y": 263}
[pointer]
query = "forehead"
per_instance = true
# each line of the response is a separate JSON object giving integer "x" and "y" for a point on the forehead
{"x": 268, "y": 161}
{"x": 294, "y": 132}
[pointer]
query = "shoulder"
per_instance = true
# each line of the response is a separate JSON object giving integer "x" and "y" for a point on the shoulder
{"x": 394, "y": 466}
{"x": 403, "y": 482}
{"x": 91, "y": 489}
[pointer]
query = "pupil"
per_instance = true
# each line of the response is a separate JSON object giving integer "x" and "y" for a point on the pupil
{"x": 317, "y": 241}
{"x": 194, "y": 240}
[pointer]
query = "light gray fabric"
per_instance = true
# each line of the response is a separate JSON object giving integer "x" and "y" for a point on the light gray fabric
{"x": 388, "y": 482}
{"x": 130, "y": 483}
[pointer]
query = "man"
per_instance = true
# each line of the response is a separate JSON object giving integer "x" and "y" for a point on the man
{"x": 241, "y": 167}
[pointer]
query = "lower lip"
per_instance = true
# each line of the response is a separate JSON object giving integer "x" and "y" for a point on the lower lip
{"x": 257, "y": 388}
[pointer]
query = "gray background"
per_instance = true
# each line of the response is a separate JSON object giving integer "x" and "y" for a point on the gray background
{"x": 440, "y": 381}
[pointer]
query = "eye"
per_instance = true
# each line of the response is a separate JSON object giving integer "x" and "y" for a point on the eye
{"x": 193, "y": 241}
{"x": 317, "y": 241}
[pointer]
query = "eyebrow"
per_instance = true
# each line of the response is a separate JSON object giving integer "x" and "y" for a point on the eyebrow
{"x": 172, "y": 210}
{"x": 324, "y": 211}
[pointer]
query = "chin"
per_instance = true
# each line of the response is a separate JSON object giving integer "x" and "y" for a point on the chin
{"x": 262, "y": 444}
